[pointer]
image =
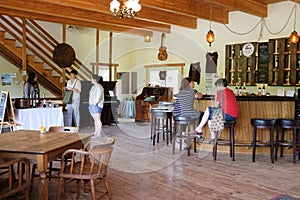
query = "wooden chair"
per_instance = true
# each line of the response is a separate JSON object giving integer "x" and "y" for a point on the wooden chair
{"x": 9, "y": 185}
{"x": 86, "y": 165}
{"x": 62, "y": 129}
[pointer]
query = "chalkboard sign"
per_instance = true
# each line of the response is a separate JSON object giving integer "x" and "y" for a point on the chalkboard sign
{"x": 6, "y": 110}
{"x": 263, "y": 60}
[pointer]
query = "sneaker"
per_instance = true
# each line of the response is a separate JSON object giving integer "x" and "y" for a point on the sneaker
{"x": 198, "y": 137}
{"x": 94, "y": 137}
{"x": 210, "y": 141}
{"x": 196, "y": 132}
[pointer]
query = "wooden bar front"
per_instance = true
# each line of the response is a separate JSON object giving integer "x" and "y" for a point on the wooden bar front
{"x": 252, "y": 107}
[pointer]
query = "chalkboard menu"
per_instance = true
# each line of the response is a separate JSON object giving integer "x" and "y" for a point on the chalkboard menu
{"x": 263, "y": 60}
{"x": 3, "y": 103}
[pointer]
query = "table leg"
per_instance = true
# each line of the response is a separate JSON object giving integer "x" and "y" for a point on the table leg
{"x": 42, "y": 164}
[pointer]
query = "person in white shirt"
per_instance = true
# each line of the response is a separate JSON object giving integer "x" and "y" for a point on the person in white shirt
{"x": 96, "y": 100}
{"x": 73, "y": 108}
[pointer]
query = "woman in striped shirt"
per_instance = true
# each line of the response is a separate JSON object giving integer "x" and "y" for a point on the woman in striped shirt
{"x": 184, "y": 105}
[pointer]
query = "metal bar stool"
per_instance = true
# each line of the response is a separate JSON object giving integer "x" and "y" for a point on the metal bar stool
{"x": 184, "y": 124}
{"x": 259, "y": 123}
{"x": 223, "y": 141}
{"x": 282, "y": 141}
{"x": 161, "y": 122}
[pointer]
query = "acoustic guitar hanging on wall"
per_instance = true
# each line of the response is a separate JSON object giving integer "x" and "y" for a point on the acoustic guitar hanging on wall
{"x": 162, "y": 55}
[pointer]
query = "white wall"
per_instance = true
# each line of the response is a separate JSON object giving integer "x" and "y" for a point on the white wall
{"x": 183, "y": 45}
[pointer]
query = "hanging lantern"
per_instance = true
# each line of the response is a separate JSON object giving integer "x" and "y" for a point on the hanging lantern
{"x": 294, "y": 37}
{"x": 210, "y": 37}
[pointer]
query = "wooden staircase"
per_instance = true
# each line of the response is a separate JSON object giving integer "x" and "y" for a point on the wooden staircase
{"x": 39, "y": 50}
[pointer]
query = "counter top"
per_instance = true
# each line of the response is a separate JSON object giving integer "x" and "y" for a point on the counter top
{"x": 256, "y": 98}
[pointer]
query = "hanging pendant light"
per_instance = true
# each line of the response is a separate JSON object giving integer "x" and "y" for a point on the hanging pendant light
{"x": 210, "y": 36}
{"x": 294, "y": 37}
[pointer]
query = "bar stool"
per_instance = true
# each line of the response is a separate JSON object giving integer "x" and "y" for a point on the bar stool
{"x": 184, "y": 124}
{"x": 161, "y": 122}
{"x": 223, "y": 141}
{"x": 258, "y": 123}
{"x": 282, "y": 141}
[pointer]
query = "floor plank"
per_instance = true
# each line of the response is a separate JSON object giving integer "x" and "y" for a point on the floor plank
{"x": 139, "y": 170}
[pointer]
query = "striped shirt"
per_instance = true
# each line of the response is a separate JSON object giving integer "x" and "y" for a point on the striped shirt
{"x": 184, "y": 105}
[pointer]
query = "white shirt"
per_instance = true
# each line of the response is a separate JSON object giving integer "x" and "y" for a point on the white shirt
{"x": 77, "y": 85}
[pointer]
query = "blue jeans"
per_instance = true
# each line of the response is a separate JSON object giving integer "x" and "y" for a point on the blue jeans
{"x": 226, "y": 116}
{"x": 94, "y": 109}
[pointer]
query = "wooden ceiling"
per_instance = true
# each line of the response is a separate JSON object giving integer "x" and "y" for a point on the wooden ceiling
{"x": 155, "y": 15}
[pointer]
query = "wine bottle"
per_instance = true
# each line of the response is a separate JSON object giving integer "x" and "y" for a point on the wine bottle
{"x": 263, "y": 91}
{"x": 240, "y": 89}
{"x": 244, "y": 89}
{"x": 44, "y": 101}
{"x": 30, "y": 100}
{"x": 259, "y": 91}
{"x": 236, "y": 89}
{"x": 34, "y": 101}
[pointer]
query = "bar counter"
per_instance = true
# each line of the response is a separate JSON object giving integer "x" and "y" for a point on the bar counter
{"x": 252, "y": 107}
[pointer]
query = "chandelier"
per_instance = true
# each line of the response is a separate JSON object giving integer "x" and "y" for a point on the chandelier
{"x": 129, "y": 9}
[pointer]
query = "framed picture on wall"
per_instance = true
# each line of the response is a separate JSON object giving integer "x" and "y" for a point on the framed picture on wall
{"x": 165, "y": 75}
{"x": 6, "y": 79}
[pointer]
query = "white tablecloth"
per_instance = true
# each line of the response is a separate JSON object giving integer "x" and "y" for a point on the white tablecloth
{"x": 33, "y": 118}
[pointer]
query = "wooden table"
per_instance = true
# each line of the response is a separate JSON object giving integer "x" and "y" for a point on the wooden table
{"x": 40, "y": 149}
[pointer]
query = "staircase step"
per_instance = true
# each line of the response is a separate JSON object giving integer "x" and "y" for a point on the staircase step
{"x": 48, "y": 73}
{"x": 56, "y": 80}
{"x": 2, "y": 34}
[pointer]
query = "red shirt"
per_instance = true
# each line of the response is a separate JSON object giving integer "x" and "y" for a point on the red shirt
{"x": 228, "y": 101}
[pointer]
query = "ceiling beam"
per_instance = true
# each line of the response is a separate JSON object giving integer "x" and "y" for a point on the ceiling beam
{"x": 63, "y": 20}
{"x": 38, "y": 7}
{"x": 252, "y": 7}
{"x": 193, "y": 8}
{"x": 147, "y": 13}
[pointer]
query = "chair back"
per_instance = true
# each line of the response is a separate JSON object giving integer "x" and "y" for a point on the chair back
{"x": 63, "y": 129}
{"x": 10, "y": 186}
{"x": 89, "y": 164}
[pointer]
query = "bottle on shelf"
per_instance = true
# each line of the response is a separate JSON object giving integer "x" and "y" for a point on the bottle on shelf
{"x": 259, "y": 90}
{"x": 263, "y": 90}
{"x": 276, "y": 46}
{"x": 299, "y": 63}
{"x": 232, "y": 52}
{"x": 276, "y": 62}
{"x": 232, "y": 82}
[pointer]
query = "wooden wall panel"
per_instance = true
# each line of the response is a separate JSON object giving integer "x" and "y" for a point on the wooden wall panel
{"x": 248, "y": 110}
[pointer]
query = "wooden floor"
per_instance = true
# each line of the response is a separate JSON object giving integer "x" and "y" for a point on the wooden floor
{"x": 187, "y": 177}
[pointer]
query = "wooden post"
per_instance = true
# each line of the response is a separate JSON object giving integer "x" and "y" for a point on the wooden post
{"x": 97, "y": 51}
{"x": 24, "y": 58}
{"x": 110, "y": 55}
{"x": 64, "y": 36}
